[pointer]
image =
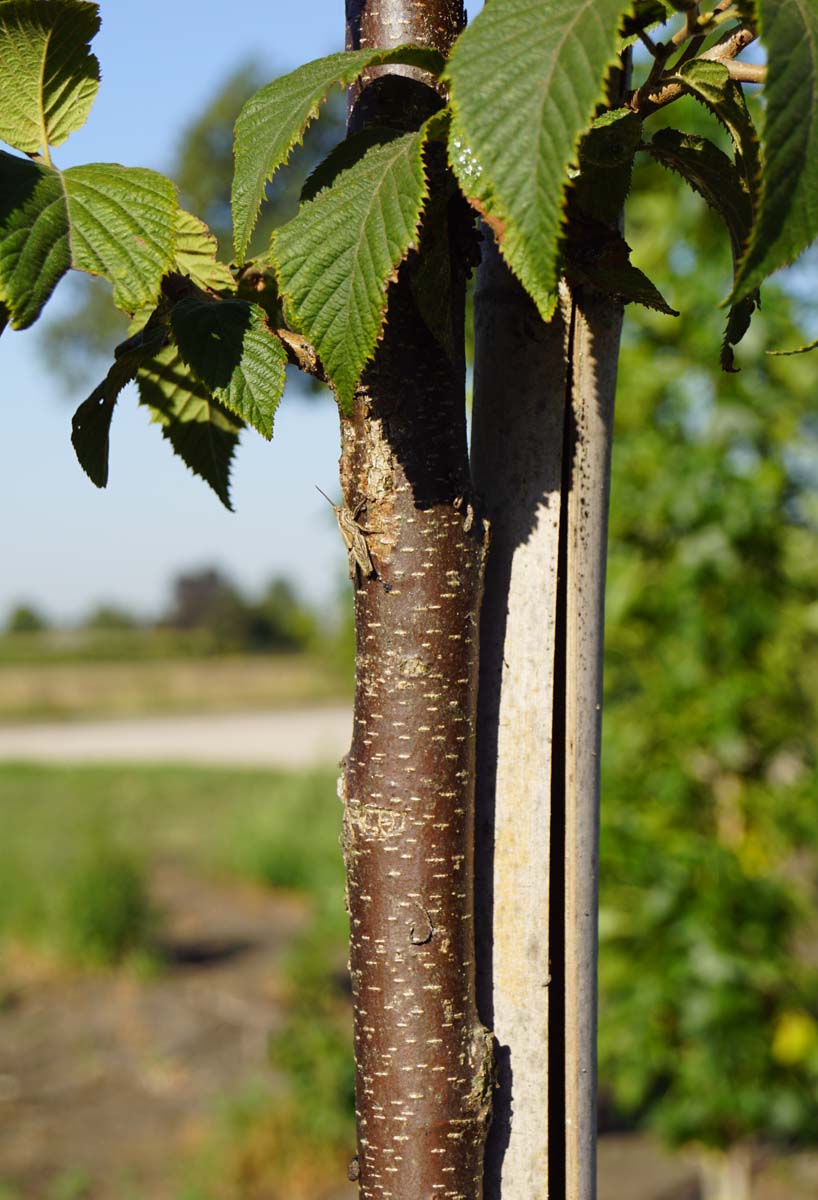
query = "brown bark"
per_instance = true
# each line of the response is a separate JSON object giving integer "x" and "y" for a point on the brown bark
{"x": 423, "y": 1061}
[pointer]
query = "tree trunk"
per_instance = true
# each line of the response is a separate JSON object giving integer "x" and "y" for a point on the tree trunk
{"x": 726, "y": 1175}
{"x": 423, "y": 1060}
{"x": 541, "y": 440}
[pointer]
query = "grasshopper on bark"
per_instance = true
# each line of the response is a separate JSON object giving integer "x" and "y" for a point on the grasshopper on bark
{"x": 361, "y": 566}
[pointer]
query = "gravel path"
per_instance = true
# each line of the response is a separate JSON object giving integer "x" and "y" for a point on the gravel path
{"x": 299, "y": 738}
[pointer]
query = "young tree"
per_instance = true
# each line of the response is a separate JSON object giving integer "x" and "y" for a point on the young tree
{"x": 527, "y": 119}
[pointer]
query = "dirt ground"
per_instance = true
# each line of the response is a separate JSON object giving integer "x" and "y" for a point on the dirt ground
{"x": 111, "y": 1077}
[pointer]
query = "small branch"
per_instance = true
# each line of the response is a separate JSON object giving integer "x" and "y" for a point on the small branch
{"x": 648, "y": 42}
{"x": 731, "y": 44}
{"x": 650, "y": 98}
{"x": 689, "y": 29}
{"x": 661, "y": 53}
{"x": 301, "y": 354}
{"x": 747, "y": 72}
{"x": 695, "y": 37}
{"x": 691, "y": 25}
{"x": 721, "y": 14}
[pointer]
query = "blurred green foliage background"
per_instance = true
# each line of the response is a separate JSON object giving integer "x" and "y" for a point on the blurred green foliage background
{"x": 709, "y": 987}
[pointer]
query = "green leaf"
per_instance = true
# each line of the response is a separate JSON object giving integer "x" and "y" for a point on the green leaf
{"x": 200, "y": 430}
{"x": 122, "y": 222}
{"x": 90, "y": 435}
{"x": 788, "y": 218}
{"x": 597, "y": 255}
{"x": 525, "y": 79}
{"x": 643, "y": 14}
{"x": 606, "y": 155}
{"x": 34, "y": 242}
{"x": 91, "y": 425}
{"x": 712, "y": 86}
{"x": 430, "y": 273}
{"x": 229, "y": 347}
{"x": 712, "y": 174}
{"x": 48, "y": 76}
{"x": 612, "y": 140}
{"x": 738, "y": 322}
{"x": 273, "y": 122}
{"x": 101, "y": 218}
{"x": 336, "y": 258}
{"x": 346, "y": 154}
{"x": 195, "y": 254}
{"x": 718, "y": 180}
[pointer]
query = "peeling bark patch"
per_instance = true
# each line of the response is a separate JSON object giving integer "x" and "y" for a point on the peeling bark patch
{"x": 413, "y": 668}
{"x": 377, "y": 823}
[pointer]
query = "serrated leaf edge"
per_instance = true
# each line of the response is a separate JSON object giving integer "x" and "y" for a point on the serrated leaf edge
{"x": 499, "y": 221}
{"x": 376, "y": 58}
{"x": 345, "y": 403}
{"x": 166, "y": 427}
{"x": 741, "y": 289}
{"x": 219, "y": 395}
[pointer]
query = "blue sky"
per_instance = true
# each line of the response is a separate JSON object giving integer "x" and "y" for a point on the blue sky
{"x": 64, "y": 545}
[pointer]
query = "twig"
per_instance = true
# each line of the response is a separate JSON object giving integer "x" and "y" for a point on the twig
{"x": 647, "y": 40}
{"x": 661, "y": 53}
{"x": 648, "y": 98}
{"x": 731, "y": 43}
{"x": 301, "y": 354}
{"x": 746, "y": 72}
{"x": 690, "y": 27}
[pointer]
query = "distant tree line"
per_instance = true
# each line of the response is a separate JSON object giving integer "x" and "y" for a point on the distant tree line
{"x": 205, "y": 602}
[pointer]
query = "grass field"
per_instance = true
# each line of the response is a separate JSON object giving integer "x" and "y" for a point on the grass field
{"x": 92, "y": 833}
{"x": 53, "y": 688}
{"x": 79, "y": 852}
